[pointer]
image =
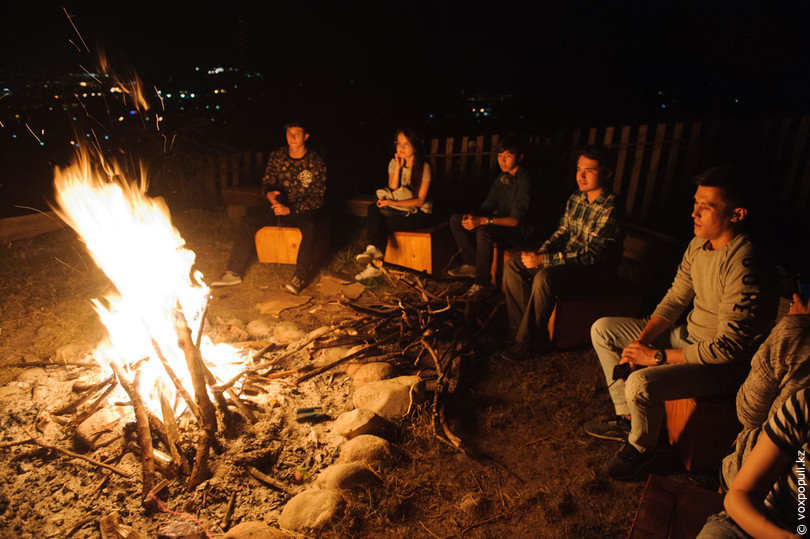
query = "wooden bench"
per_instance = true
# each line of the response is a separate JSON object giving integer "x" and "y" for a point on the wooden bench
{"x": 428, "y": 249}
{"x": 672, "y": 510}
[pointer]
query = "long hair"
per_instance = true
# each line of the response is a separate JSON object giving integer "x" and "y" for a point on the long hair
{"x": 418, "y": 157}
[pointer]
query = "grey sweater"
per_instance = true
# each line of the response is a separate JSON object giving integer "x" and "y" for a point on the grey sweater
{"x": 735, "y": 297}
{"x": 780, "y": 367}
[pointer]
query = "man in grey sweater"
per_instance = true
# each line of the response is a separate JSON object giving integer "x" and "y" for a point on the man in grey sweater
{"x": 733, "y": 292}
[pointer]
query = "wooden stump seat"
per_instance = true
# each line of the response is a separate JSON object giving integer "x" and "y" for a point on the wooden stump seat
{"x": 672, "y": 510}
{"x": 278, "y": 244}
{"x": 427, "y": 249}
{"x": 702, "y": 430}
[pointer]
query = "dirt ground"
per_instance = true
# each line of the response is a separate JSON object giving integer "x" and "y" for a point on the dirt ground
{"x": 528, "y": 464}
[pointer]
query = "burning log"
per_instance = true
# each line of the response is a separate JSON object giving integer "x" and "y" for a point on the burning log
{"x": 196, "y": 369}
{"x": 178, "y": 385}
{"x": 173, "y": 434}
{"x": 144, "y": 433}
{"x": 89, "y": 392}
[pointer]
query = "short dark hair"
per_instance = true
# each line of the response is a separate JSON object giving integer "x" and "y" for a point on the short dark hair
{"x": 736, "y": 190}
{"x": 601, "y": 155}
{"x": 296, "y": 123}
{"x": 511, "y": 144}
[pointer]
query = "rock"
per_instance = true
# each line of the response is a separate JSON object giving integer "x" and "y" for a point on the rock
{"x": 235, "y": 323}
{"x": 348, "y": 476}
{"x": 180, "y": 529}
{"x": 351, "y": 367}
{"x": 259, "y": 328}
{"x": 32, "y": 373}
{"x": 254, "y": 530}
{"x": 312, "y": 509}
{"x": 366, "y": 448}
{"x": 373, "y": 372}
{"x": 288, "y": 332}
{"x": 70, "y": 353}
{"x": 94, "y": 431}
{"x": 390, "y": 398}
{"x": 330, "y": 355}
{"x": 473, "y": 503}
{"x": 360, "y": 421}
{"x": 13, "y": 392}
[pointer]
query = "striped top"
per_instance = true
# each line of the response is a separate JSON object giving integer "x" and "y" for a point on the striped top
{"x": 789, "y": 429}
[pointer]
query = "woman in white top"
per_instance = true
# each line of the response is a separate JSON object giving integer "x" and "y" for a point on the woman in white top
{"x": 403, "y": 205}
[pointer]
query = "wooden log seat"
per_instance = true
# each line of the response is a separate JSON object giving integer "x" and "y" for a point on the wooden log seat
{"x": 278, "y": 244}
{"x": 702, "y": 430}
{"x": 673, "y": 510}
{"x": 427, "y": 249}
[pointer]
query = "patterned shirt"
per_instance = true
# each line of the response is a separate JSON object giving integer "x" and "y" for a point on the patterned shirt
{"x": 789, "y": 429}
{"x": 302, "y": 181}
{"x": 588, "y": 233}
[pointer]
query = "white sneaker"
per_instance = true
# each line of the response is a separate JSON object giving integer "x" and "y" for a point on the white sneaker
{"x": 371, "y": 253}
{"x": 369, "y": 273}
{"x": 476, "y": 292}
{"x": 228, "y": 278}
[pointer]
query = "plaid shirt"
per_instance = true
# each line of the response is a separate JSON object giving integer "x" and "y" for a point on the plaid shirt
{"x": 588, "y": 233}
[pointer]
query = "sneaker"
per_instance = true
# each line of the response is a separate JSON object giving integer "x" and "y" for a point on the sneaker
{"x": 616, "y": 428}
{"x": 464, "y": 270}
{"x": 295, "y": 285}
{"x": 228, "y": 278}
{"x": 476, "y": 292}
{"x": 517, "y": 352}
{"x": 371, "y": 253}
{"x": 369, "y": 273}
{"x": 629, "y": 462}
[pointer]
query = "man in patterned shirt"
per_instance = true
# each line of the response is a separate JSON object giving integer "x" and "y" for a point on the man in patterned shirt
{"x": 586, "y": 246}
{"x": 294, "y": 184}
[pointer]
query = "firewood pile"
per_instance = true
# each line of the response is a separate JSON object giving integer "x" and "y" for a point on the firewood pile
{"x": 202, "y": 456}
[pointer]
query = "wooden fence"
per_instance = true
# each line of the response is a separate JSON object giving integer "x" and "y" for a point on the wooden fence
{"x": 654, "y": 163}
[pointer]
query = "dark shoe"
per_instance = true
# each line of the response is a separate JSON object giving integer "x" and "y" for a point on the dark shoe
{"x": 295, "y": 285}
{"x": 464, "y": 270}
{"x": 628, "y": 462}
{"x": 616, "y": 428}
{"x": 228, "y": 278}
{"x": 517, "y": 352}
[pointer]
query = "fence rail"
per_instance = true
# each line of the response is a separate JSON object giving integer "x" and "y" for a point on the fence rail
{"x": 654, "y": 162}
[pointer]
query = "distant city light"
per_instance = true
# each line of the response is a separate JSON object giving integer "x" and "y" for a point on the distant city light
{"x": 82, "y": 83}
{"x": 168, "y": 96}
{"x": 116, "y": 90}
{"x": 133, "y": 112}
{"x": 192, "y": 95}
{"x": 106, "y": 137}
{"x": 216, "y": 70}
{"x": 120, "y": 119}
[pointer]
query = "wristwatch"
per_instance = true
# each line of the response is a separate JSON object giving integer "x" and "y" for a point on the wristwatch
{"x": 660, "y": 357}
{"x": 489, "y": 220}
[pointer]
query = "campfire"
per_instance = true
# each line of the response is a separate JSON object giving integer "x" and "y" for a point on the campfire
{"x": 154, "y": 317}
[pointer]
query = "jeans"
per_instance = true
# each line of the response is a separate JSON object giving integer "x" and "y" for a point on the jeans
{"x": 531, "y": 294}
{"x": 476, "y": 245}
{"x": 314, "y": 239}
{"x": 643, "y": 395}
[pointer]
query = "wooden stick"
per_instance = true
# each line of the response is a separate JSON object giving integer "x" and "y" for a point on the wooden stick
{"x": 270, "y": 481}
{"x": 243, "y": 410}
{"x": 144, "y": 432}
{"x": 71, "y": 454}
{"x": 195, "y": 369}
{"x": 94, "y": 405}
{"x": 333, "y": 364}
{"x": 75, "y": 403}
{"x": 226, "y": 520}
{"x": 178, "y": 385}
{"x": 200, "y": 469}
{"x": 172, "y": 433}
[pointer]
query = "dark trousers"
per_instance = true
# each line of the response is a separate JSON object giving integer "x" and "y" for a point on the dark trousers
{"x": 314, "y": 239}
{"x": 476, "y": 245}
{"x": 530, "y": 293}
{"x": 379, "y": 225}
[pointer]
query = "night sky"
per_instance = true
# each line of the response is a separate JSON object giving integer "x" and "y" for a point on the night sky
{"x": 574, "y": 52}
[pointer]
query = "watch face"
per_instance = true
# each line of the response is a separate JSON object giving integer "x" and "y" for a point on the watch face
{"x": 660, "y": 357}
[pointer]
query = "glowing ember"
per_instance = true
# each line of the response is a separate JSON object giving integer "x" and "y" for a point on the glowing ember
{"x": 131, "y": 238}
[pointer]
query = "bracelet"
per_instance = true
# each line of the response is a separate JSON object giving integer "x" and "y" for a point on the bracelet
{"x": 489, "y": 220}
